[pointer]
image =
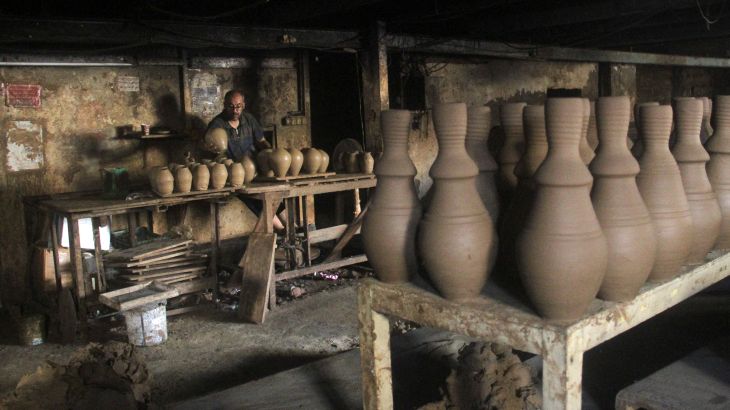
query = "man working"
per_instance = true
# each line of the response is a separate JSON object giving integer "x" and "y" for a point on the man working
{"x": 245, "y": 136}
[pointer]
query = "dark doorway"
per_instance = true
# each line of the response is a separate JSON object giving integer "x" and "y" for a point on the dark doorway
{"x": 335, "y": 113}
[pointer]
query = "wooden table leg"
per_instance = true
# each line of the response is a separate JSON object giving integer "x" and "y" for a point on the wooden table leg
{"x": 307, "y": 248}
{"x": 56, "y": 259}
{"x": 132, "y": 227}
{"x": 77, "y": 269}
{"x": 375, "y": 363}
{"x": 291, "y": 232}
{"x": 562, "y": 375}
{"x": 100, "y": 278}
{"x": 214, "y": 242}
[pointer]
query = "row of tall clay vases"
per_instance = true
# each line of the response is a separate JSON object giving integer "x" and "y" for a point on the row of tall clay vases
{"x": 718, "y": 168}
{"x": 280, "y": 162}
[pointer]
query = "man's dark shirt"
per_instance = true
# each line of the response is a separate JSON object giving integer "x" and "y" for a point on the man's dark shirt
{"x": 240, "y": 140}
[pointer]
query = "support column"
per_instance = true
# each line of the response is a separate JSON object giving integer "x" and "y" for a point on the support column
{"x": 562, "y": 373}
{"x": 377, "y": 378}
{"x": 375, "y": 86}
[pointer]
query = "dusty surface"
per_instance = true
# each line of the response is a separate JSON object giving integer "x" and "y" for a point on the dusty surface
{"x": 210, "y": 350}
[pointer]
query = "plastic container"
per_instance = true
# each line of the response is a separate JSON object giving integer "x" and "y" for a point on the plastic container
{"x": 147, "y": 325}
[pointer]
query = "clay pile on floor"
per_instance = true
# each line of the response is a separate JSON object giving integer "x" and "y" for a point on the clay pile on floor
{"x": 98, "y": 376}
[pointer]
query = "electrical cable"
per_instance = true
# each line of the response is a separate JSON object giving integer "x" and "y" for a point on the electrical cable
{"x": 205, "y": 18}
{"x": 708, "y": 21}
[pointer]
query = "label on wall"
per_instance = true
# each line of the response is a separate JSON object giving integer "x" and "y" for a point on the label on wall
{"x": 23, "y": 95}
{"x": 25, "y": 146}
{"x": 205, "y": 94}
{"x": 127, "y": 83}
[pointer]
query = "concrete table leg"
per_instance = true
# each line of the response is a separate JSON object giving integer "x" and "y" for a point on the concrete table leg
{"x": 561, "y": 374}
{"x": 375, "y": 362}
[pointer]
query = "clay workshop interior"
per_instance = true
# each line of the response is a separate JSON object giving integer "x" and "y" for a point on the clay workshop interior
{"x": 319, "y": 204}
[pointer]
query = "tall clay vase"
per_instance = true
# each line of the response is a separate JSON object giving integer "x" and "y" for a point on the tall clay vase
{"x": 183, "y": 179}
{"x": 263, "y": 163}
{"x": 586, "y": 152}
{"x": 592, "y": 135}
{"x": 236, "y": 174}
{"x": 201, "y": 177}
{"x": 218, "y": 176}
{"x": 638, "y": 149}
{"x": 456, "y": 239}
{"x": 536, "y": 148}
{"x": 479, "y": 123}
{"x": 297, "y": 159}
{"x": 660, "y": 184}
{"x": 692, "y": 158}
{"x": 562, "y": 253}
{"x": 718, "y": 169}
{"x": 312, "y": 160}
{"x": 164, "y": 181}
{"x": 325, "y": 161}
{"x": 249, "y": 169}
{"x": 618, "y": 204}
{"x": 510, "y": 116}
{"x": 389, "y": 227}
{"x": 280, "y": 161}
{"x": 706, "y": 119}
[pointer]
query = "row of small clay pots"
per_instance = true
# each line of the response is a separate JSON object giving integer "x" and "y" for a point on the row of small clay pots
{"x": 280, "y": 162}
{"x": 355, "y": 162}
{"x": 195, "y": 177}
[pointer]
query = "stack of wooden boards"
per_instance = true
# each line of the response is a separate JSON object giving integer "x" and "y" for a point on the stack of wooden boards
{"x": 168, "y": 261}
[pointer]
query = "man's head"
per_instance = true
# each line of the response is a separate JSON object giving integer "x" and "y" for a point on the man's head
{"x": 233, "y": 104}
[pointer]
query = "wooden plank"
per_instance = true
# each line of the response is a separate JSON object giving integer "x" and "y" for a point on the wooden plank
{"x": 149, "y": 262}
{"x": 67, "y": 319}
{"x": 148, "y": 249}
{"x": 166, "y": 272}
{"x": 340, "y": 177}
{"x": 183, "y": 262}
{"x": 350, "y": 260}
{"x": 180, "y": 278}
{"x": 351, "y": 230}
{"x": 263, "y": 187}
{"x": 194, "y": 285}
{"x": 100, "y": 277}
{"x": 193, "y": 194}
{"x": 294, "y": 178}
{"x": 137, "y": 295}
{"x": 328, "y": 234}
{"x": 258, "y": 268}
{"x": 324, "y": 187}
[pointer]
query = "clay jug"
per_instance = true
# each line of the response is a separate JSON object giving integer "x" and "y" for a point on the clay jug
{"x": 389, "y": 227}
{"x": 312, "y": 160}
{"x": 263, "y": 163}
{"x": 479, "y": 123}
{"x": 692, "y": 159}
{"x": 536, "y": 148}
{"x": 618, "y": 204}
{"x": 718, "y": 169}
{"x": 297, "y": 159}
{"x": 325, "y": 161}
{"x": 249, "y": 169}
{"x": 164, "y": 181}
{"x": 660, "y": 184}
{"x": 201, "y": 177}
{"x": 586, "y": 152}
{"x": 638, "y": 149}
{"x": 280, "y": 161}
{"x": 561, "y": 252}
{"x": 366, "y": 162}
{"x": 218, "y": 176}
{"x": 236, "y": 174}
{"x": 216, "y": 140}
{"x": 351, "y": 163}
{"x": 456, "y": 236}
{"x": 510, "y": 116}
{"x": 183, "y": 179}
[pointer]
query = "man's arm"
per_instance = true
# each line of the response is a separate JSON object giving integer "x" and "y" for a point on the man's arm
{"x": 258, "y": 135}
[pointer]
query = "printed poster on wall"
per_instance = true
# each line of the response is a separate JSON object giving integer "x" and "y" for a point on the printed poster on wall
{"x": 24, "y": 146}
{"x": 23, "y": 95}
{"x": 205, "y": 95}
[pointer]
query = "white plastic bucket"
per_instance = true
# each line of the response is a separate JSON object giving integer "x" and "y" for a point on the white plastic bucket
{"x": 147, "y": 325}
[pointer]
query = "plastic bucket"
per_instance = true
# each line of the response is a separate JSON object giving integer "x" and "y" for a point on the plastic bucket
{"x": 147, "y": 325}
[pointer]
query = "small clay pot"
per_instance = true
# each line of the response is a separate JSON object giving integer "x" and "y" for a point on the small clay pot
{"x": 279, "y": 161}
{"x": 236, "y": 174}
{"x": 312, "y": 160}
{"x": 217, "y": 140}
{"x": 262, "y": 162}
{"x": 366, "y": 162}
{"x": 249, "y": 169}
{"x": 297, "y": 160}
{"x": 201, "y": 177}
{"x": 325, "y": 161}
{"x": 164, "y": 181}
{"x": 183, "y": 179}
{"x": 350, "y": 162}
{"x": 218, "y": 176}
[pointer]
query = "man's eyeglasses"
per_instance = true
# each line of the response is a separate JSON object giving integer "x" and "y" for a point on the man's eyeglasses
{"x": 237, "y": 106}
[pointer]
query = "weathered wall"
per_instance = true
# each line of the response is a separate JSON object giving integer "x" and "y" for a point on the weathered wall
{"x": 73, "y": 134}
{"x": 491, "y": 83}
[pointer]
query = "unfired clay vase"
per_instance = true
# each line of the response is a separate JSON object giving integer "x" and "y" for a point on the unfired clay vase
{"x": 263, "y": 163}
{"x": 706, "y": 131}
{"x": 586, "y": 152}
{"x": 236, "y": 174}
{"x": 638, "y": 149}
{"x": 536, "y": 148}
{"x": 297, "y": 159}
{"x": 312, "y": 160}
{"x": 217, "y": 140}
{"x": 618, "y": 204}
{"x": 510, "y": 116}
{"x": 152, "y": 176}
{"x": 279, "y": 161}
{"x": 183, "y": 179}
{"x": 201, "y": 177}
{"x": 218, "y": 176}
{"x": 479, "y": 123}
{"x": 456, "y": 238}
{"x": 562, "y": 253}
{"x": 692, "y": 158}
{"x": 366, "y": 162}
{"x": 249, "y": 169}
{"x": 350, "y": 162}
{"x": 592, "y": 136}
{"x": 325, "y": 161}
{"x": 164, "y": 181}
{"x": 389, "y": 227}
{"x": 660, "y": 185}
{"x": 718, "y": 169}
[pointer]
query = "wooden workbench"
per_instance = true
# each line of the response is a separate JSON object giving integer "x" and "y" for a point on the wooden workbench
{"x": 500, "y": 316}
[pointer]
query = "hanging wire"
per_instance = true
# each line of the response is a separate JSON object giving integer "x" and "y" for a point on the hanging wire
{"x": 709, "y": 21}
{"x": 206, "y": 18}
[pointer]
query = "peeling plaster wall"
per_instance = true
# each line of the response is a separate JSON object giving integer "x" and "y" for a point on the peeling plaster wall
{"x": 491, "y": 83}
{"x": 73, "y": 134}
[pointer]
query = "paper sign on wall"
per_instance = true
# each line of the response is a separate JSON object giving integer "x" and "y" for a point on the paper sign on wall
{"x": 24, "y": 146}
{"x": 127, "y": 83}
{"x": 23, "y": 95}
{"x": 205, "y": 94}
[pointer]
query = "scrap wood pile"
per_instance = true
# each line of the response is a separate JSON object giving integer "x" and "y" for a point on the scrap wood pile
{"x": 168, "y": 261}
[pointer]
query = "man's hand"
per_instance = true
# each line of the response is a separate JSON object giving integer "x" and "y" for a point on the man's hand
{"x": 262, "y": 144}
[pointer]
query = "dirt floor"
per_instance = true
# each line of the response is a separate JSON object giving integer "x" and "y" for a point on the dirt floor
{"x": 211, "y": 350}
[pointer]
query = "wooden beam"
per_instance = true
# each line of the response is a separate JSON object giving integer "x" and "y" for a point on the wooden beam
{"x": 258, "y": 268}
{"x": 350, "y": 260}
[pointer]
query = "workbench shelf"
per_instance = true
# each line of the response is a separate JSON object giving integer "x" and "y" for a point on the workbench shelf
{"x": 501, "y": 317}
